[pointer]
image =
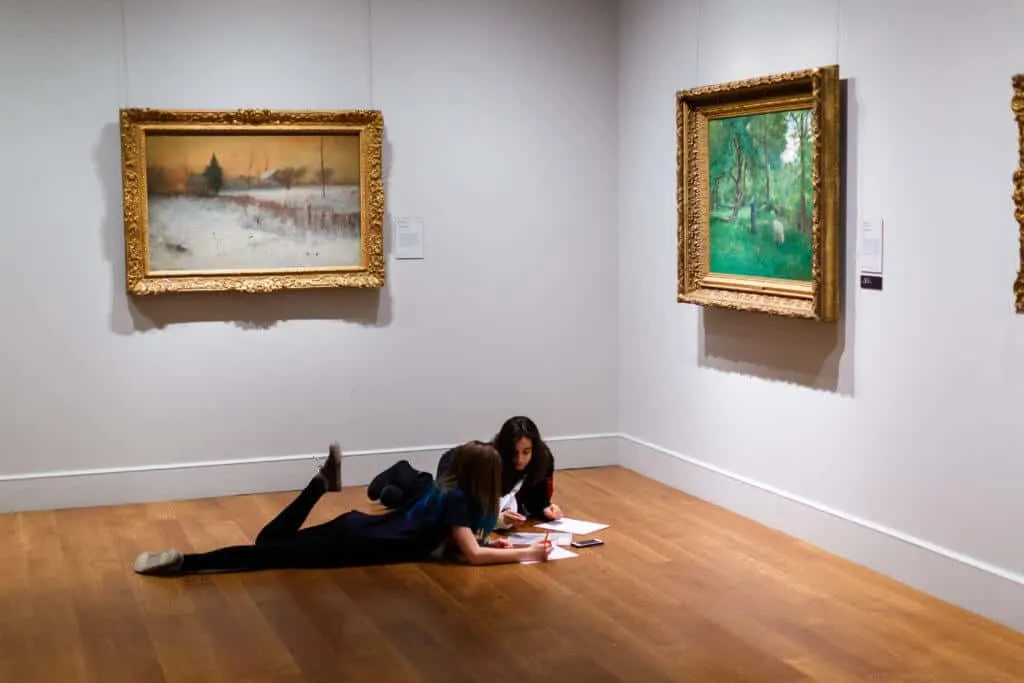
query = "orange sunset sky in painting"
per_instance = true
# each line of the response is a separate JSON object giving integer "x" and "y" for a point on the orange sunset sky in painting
{"x": 251, "y": 155}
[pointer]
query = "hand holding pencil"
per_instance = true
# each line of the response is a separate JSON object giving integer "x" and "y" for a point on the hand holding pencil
{"x": 541, "y": 549}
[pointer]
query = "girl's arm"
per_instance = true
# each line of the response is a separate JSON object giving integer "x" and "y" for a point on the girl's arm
{"x": 509, "y": 518}
{"x": 537, "y": 498}
{"x": 477, "y": 554}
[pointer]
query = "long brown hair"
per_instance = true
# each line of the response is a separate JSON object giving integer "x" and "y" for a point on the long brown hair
{"x": 476, "y": 471}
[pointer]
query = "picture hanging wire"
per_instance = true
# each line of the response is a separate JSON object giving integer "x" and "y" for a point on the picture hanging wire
{"x": 124, "y": 53}
{"x": 369, "y": 29}
{"x": 696, "y": 65}
{"x": 839, "y": 16}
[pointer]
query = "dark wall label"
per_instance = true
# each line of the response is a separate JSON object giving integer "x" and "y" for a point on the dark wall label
{"x": 870, "y": 281}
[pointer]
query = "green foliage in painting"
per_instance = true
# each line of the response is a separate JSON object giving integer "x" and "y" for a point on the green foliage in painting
{"x": 759, "y": 174}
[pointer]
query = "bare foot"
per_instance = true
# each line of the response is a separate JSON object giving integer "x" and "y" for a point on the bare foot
{"x": 331, "y": 470}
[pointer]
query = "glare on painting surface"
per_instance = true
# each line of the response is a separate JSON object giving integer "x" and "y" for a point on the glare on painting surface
{"x": 761, "y": 201}
{"x": 240, "y": 202}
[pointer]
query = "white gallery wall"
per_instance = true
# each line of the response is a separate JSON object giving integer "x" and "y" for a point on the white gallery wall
{"x": 500, "y": 126}
{"x": 894, "y": 436}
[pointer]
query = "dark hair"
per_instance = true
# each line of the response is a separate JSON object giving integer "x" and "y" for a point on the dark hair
{"x": 514, "y": 429}
{"x": 476, "y": 471}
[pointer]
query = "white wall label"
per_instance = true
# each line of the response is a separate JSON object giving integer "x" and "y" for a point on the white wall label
{"x": 408, "y": 234}
{"x": 869, "y": 253}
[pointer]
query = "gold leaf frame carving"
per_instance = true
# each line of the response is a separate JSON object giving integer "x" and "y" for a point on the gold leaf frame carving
{"x": 817, "y": 89}
{"x": 1017, "y": 106}
{"x": 367, "y": 123}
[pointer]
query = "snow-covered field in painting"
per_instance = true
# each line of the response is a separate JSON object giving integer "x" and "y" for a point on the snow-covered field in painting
{"x": 255, "y": 229}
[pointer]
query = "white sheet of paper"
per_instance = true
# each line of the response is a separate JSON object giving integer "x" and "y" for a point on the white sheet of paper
{"x": 557, "y": 553}
{"x": 869, "y": 246}
{"x": 573, "y": 526}
{"x": 408, "y": 234}
{"x": 524, "y": 538}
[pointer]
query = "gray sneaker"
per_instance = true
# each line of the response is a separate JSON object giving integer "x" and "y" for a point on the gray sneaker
{"x": 164, "y": 562}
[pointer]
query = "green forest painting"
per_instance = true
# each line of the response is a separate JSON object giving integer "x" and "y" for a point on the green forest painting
{"x": 760, "y": 195}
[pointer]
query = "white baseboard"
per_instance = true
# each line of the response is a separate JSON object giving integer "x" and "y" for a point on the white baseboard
{"x": 993, "y": 592}
{"x": 118, "y": 486}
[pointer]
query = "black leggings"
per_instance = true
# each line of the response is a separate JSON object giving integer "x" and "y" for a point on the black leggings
{"x": 283, "y": 544}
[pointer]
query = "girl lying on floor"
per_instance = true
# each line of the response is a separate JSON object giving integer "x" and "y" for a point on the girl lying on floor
{"x": 527, "y": 477}
{"x": 452, "y": 514}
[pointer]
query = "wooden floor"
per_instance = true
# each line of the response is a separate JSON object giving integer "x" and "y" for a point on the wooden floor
{"x": 710, "y": 597}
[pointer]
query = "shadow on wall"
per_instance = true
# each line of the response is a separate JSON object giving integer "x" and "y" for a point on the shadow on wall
{"x": 816, "y": 355}
{"x": 129, "y": 315}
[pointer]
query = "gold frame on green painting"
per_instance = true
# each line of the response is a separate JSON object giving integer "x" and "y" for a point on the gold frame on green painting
{"x": 137, "y": 123}
{"x": 816, "y": 89}
{"x": 1017, "y": 106}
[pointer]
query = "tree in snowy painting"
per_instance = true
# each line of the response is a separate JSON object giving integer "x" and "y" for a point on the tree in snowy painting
{"x": 252, "y": 202}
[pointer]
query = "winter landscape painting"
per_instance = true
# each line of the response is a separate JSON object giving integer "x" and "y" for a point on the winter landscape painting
{"x": 758, "y": 167}
{"x": 242, "y": 202}
{"x": 1017, "y": 108}
{"x": 252, "y": 200}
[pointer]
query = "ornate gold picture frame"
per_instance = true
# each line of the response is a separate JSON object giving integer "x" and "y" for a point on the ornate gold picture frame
{"x": 252, "y": 200}
{"x": 758, "y": 183}
{"x": 1017, "y": 106}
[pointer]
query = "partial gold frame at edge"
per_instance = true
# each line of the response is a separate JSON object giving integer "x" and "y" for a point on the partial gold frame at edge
{"x": 140, "y": 281}
{"x": 818, "y": 300}
{"x": 1017, "y": 107}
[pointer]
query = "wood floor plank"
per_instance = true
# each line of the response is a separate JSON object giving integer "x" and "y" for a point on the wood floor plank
{"x": 704, "y": 596}
{"x": 107, "y": 614}
{"x": 46, "y": 645}
{"x": 329, "y": 637}
{"x": 226, "y": 610}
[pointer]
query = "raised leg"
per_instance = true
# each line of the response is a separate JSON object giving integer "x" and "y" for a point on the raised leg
{"x": 399, "y": 485}
{"x": 290, "y": 520}
{"x": 278, "y": 545}
{"x": 387, "y": 478}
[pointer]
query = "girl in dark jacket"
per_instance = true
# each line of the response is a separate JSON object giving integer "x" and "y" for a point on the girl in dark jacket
{"x": 527, "y": 476}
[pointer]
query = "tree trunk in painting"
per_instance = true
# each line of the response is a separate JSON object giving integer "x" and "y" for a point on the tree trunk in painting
{"x": 804, "y": 227}
{"x": 737, "y": 199}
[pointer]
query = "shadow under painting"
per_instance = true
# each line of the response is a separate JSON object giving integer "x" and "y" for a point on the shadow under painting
{"x": 811, "y": 354}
